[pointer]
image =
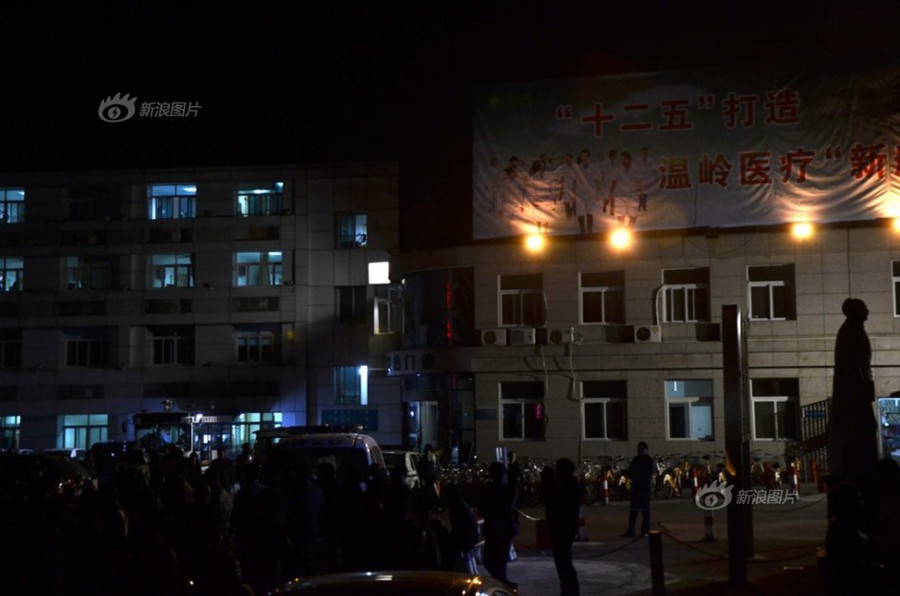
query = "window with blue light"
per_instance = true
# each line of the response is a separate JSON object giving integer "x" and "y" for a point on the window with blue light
{"x": 172, "y": 201}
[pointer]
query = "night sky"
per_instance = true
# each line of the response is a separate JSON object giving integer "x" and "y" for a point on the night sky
{"x": 323, "y": 82}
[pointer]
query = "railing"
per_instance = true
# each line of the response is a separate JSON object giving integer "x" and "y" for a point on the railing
{"x": 814, "y": 419}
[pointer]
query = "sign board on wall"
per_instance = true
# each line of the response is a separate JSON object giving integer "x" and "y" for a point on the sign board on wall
{"x": 681, "y": 149}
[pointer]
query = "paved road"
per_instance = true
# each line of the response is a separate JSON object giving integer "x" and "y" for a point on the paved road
{"x": 786, "y": 539}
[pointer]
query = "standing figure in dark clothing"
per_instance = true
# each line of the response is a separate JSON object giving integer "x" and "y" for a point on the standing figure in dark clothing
{"x": 852, "y": 434}
{"x": 563, "y": 496}
{"x": 640, "y": 472}
{"x": 496, "y": 505}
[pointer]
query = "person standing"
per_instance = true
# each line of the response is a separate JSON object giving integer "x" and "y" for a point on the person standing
{"x": 563, "y": 495}
{"x": 496, "y": 505}
{"x": 640, "y": 472}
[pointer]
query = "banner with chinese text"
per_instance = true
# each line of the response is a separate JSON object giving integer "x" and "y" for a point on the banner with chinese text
{"x": 683, "y": 149}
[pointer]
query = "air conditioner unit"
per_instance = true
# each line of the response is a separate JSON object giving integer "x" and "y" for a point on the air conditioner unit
{"x": 561, "y": 336}
{"x": 647, "y": 333}
{"x": 493, "y": 337}
{"x": 522, "y": 336}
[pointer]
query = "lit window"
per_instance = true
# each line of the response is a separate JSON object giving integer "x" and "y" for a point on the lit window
{"x": 522, "y": 300}
{"x": 776, "y": 408}
{"x": 685, "y": 295}
{"x": 522, "y": 408}
{"x": 172, "y": 201}
{"x": 771, "y": 292}
{"x": 172, "y": 271}
{"x": 81, "y": 431}
{"x": 348, "y": 385}
{"x": 12, "y": 274}
{"x": 603, "y": 410}
{"x": 602, "y": 297}
{"x": 12, "y": 205}
{"x": 88, "y": 273}
{"x": 171, "y": 345}
{"x": 9, "y": 431}
{"x": 388, "y": 310}
{"x": 689, "y": 409}
{"x": 352, "y": 230}
{"x": 258, "y": 269}
{"x": 254, "y": 200}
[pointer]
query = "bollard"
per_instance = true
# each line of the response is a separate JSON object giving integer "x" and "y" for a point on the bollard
{"x": 582, "y": 530}
{"x": 795, "y": 481}
{"x": 710, "y": 535}
{"x": 656, "y": 563}
{"x": 606, "y": 488}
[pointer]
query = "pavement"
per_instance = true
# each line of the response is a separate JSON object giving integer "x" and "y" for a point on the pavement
{"x": 787, "y": 539}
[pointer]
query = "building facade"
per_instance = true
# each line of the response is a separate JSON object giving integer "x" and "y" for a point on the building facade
{"x": 582, "y": 349}
{"x": 250, "y": 297}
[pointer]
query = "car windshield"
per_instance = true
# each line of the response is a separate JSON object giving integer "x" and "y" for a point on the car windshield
{"x": 282, "y": 465}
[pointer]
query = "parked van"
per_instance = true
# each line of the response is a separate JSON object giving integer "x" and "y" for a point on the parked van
{"x": 282, "y": 450}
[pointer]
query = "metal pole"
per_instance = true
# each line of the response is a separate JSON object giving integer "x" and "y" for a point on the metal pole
{"x": 656, "y": 563}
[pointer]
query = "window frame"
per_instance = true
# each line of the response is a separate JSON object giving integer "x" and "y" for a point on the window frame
{"x": 274, "y": 269}
{"x": 182, "y": 272}
{"x": 895, "y": 278}
{"x": 688, "y": 403}
{"x": 352, "y": 230}
{"x": 78, "y": 435}
{"x": 519, "y": 396}
{"x": 180, "y": 203}
{"x": 604, "y": 393}
{"x": 692, "y": 284}
{"x": 348, "y": 389}
{"x": 773, "y": 276}
{"x": 603, "y": 290}
{"x": 12, "y": 210}
{"x": 389, "y": 307}
{"x": 790, "y": 400}
{"x": 358, "y": 304}
{"x": 263, "y": 355}
{"x": 82, "y": 271}
{"x": 259, "y": 200}
{"x": 12, "y": 278}
{"x": 527, "y": 304}
{"x": 171, "y": 346}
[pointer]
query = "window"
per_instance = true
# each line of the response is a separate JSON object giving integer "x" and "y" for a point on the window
{"x": 258, "y": 269}
{"x": 80, "y": 431}
{"x": 255, "y": 345}
{"x": 685, "y": 295}
{"x": 171, "y": 345}
{"x": 9, "y": 431}
{"x": 522, "y": 300}
{"x": 776, "y": 408}
{"x": 246, "y": 424}
{"x": 12, "y": 205}
{"x": 352, "y": 230}
{"x": 10, "y": 348}
{"x": 689, "y": 409}
{"x": 172, "y": 271}
{"x": 602, "y": 297}
{"x": 12, "y": 274}
{"x": 351, "y": 385}
{"x": 351, "y": 304}
{"x": 172, "y": 201}
{"x": 87, "y": 347}
{"x": 88, "y": 273}
{"x": 259, "y": 200}
{"x": 388, "y": 311}
{"x": 771, "y": 292}
{"x": 895, "y": 274}
{"x": 603, "y": 411}
{"x": 522, "y": 410}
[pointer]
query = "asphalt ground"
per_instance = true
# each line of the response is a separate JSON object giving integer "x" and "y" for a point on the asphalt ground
{"x": 787, "y": 542}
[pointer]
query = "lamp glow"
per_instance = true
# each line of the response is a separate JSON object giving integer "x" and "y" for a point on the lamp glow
{"x": 802, "y": 231}
{"x": 896, "y": 224}
{"x": 535, "y": 242}
{"x": 620, "y": 238}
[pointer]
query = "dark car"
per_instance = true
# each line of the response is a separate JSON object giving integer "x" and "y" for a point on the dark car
{"x": 53, "y": 473}
{"x": 407, "y": 583}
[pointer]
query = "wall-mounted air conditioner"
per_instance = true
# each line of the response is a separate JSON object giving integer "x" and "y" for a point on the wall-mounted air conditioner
{"x": 647, "y": 333}
{"x": 493, "y": 337}
{"x": 562, "y": 336}
{"x": 522, "y": 336}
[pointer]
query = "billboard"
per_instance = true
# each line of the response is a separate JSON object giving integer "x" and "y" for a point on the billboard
{"x": 722, "y": 147}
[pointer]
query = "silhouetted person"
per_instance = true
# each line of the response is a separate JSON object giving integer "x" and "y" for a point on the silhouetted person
{"x": 852, "y": 438}
{"x": 640, "y": 472}
{"x": 222, "y": 470}
{"x": 850, "y": 557}
{"x": 563, "y": 496}
{"x": 496, "y": 505}
{"x": 463, "y": 528}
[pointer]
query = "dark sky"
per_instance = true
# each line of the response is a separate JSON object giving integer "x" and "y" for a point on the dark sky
{"x": 324, "y": 81}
